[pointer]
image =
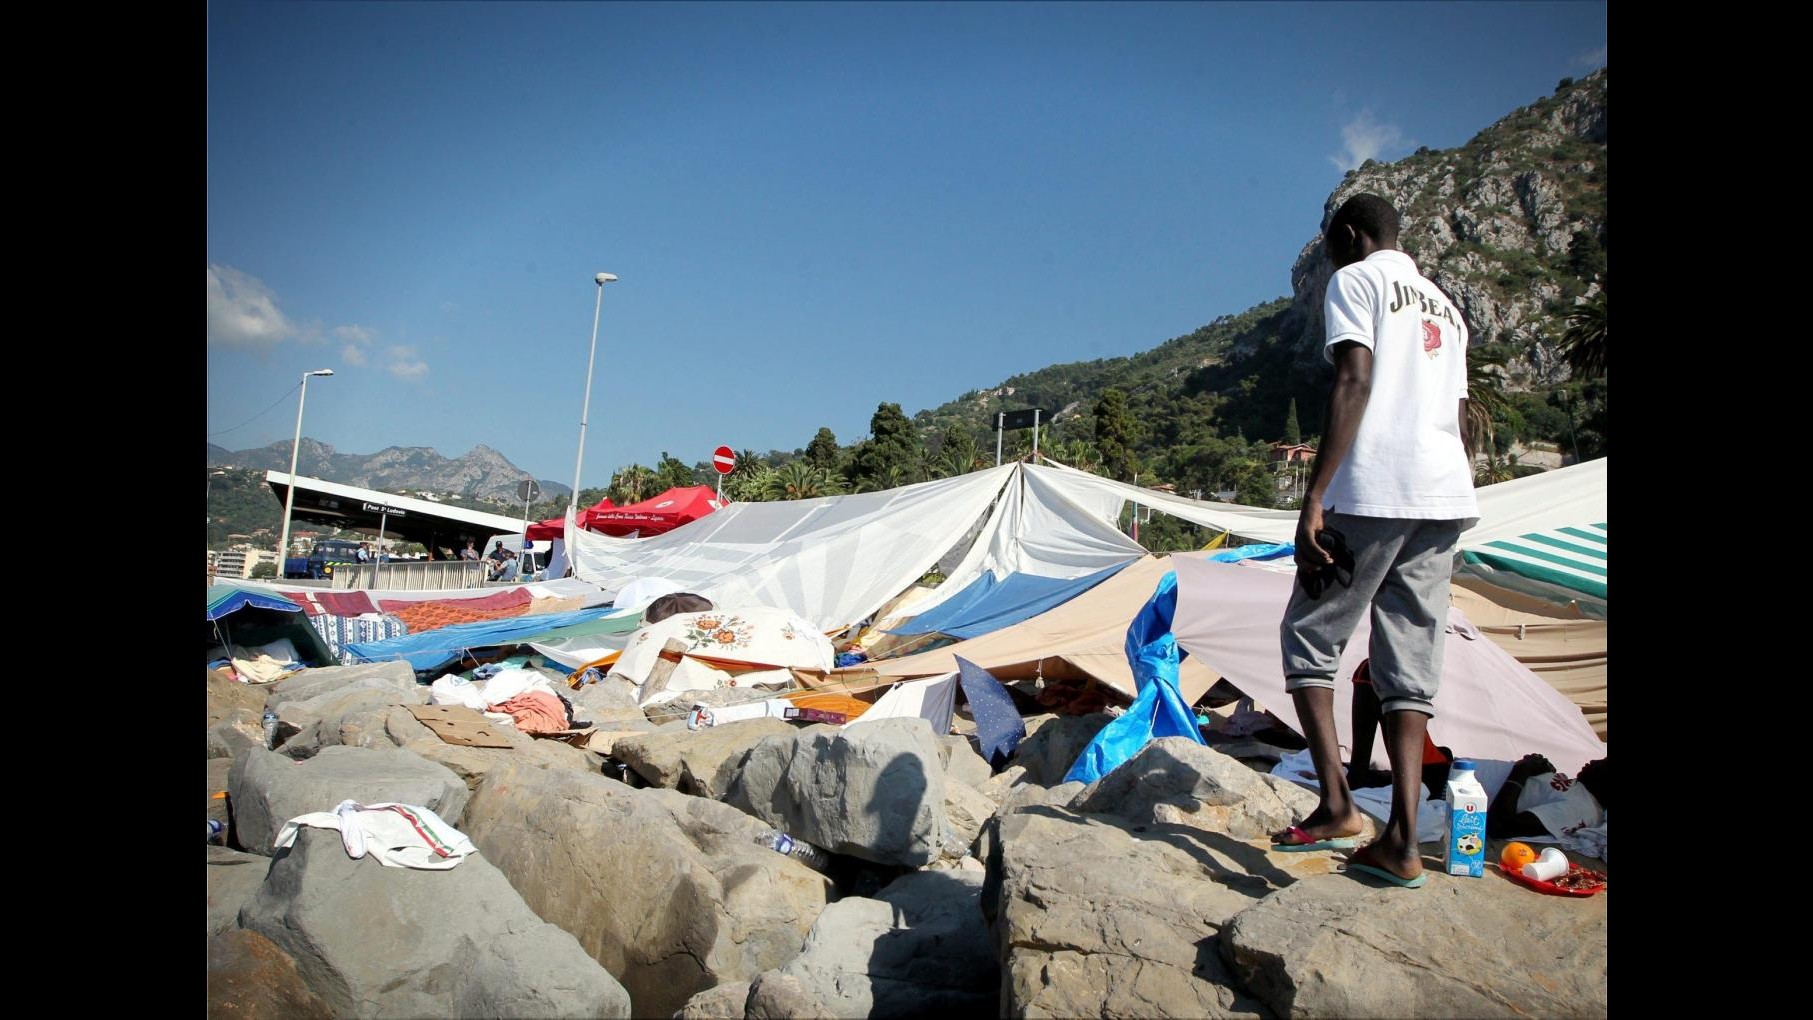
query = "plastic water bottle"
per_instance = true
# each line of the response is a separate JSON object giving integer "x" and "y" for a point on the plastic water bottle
{"x": 270, "y": 728}
{"x": 217, "y": 832}
{"x": 798, "y": 849}
{"x": 1464, "y": 852}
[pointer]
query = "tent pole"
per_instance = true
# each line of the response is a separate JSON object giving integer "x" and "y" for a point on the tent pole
{"x": 1035, "y": 435}
{"x": 1000, "y": 425}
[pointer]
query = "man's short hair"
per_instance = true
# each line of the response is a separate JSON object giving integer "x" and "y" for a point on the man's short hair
{"x": 675, "y": 604}
{"x": 1370, "y": 215}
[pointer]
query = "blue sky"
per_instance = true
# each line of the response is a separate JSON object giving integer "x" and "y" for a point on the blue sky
{"x": 812, "y": 208}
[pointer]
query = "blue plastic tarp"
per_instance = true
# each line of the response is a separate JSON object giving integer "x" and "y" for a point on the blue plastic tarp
{"x": 444, "y": 644}
{"x": 988, "y": 605}
{"x": 1266, "y": 551}
{"x": 1159, "y": 710}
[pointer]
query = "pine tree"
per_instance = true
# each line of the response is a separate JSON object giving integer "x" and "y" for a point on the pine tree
{"x": 1292, "y": 434}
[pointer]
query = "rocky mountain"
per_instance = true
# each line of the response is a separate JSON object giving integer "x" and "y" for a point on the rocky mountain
{"x": 1512, "y": 225}
{"x": 482, "y": 473}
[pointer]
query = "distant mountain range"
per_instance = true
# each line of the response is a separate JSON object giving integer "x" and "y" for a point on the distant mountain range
{"x": 482, "y": 473}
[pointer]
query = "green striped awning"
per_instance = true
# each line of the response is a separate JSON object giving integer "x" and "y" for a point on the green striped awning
{"x": 1568, "y": 562}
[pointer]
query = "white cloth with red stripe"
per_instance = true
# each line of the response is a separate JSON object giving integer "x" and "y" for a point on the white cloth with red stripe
{"x": 398, "y": 835}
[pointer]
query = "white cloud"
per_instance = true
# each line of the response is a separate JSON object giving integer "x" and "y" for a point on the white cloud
{"x": 1364, "y": 138}
{"x": 352, "y": 355}
{"x": 355, "y": 334}
{"x": 405, "y": 365}
{"x": 242, "y": 311}
{"x": 1592, "y": 60}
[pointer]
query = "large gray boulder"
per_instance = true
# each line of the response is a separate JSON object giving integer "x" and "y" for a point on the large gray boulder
{"x": 234, "y": 734}
{"x": 689, "y": 760}
{"x": 1175, "y": 780}
{"x": 719, "y": 1002}
{"x": 874, "y": 790}
{"x": 351, "y": 716}
{"x": 233, "y": 878}
{"x": 373, "y": 941}
{"x": 777, "y": 996}
{"x": 1053, "y": 744}
{"x": 920, "y": 948}
{"x": 961, "y": 762}
{"x": 670, "y": 893}
{"x": 268, "y": 789}
{"x": 965, "y": 812}
{"x": 249, "y": 978}
{"x": 1094, "y": 920}
{"x": 1347, "y": 946}
{"x": 312, "y": 683}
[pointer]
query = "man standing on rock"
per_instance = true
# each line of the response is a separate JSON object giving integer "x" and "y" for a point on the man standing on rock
{"x": 1390, "y": 494}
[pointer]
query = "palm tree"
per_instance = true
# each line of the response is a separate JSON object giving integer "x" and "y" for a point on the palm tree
{"x": 632, "y": 483}
{"x": 1583, "y": 343}
{"x": 801, "y": 480}
{"x": 892, "y": 477}
{"x": 1485, "y": 399}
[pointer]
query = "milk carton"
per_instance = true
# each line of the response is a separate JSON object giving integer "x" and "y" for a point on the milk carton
{"x": 1465, "y": 850}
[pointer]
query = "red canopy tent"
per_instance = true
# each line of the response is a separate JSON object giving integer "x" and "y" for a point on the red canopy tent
{"x": 544, "y": 531}
{"x": 661, "y": 514}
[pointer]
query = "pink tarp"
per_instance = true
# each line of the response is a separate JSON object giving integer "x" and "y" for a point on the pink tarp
{"x": 1489, "y": 705}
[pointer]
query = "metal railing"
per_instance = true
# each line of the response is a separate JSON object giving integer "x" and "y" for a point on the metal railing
{"x": 414, "y": 575}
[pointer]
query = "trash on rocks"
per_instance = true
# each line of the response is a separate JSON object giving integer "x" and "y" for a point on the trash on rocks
{"x": 798, "y": 849}
{"x": 398, "y": 835}
{"x": 458, "y": 725}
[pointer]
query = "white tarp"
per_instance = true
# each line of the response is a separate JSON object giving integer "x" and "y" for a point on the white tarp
{"x": 1256, "y": 523}
{"x": 933, "y": 699}
{"x": 1489, "y": 704}
{"x": 833, "y": 560}
{"x": 1038, "y": 528}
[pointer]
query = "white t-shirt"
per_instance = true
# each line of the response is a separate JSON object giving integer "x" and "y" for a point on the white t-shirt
{"x": 1564, "y": 805}
{"x": 1407, "y": 460}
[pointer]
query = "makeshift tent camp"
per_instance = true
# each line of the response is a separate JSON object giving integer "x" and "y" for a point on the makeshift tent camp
{"x": 833, "y": 560}
{"x": 838, "y": 559}
{"x": 656, "y": 516}
{"x": 1489, "y": 706}
{"x": 443, "y": 645}
{"x": 988, "y": 605}
{"x": 246, "y": 619}
{"x": 1083, "y": 638}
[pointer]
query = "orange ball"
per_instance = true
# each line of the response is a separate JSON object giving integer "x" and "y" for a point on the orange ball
{"x": 1516, "y": 855}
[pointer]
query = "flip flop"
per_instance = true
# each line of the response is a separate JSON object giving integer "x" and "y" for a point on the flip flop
{"x": 1406, "y": 883}
{"x": 1306, "y": 842}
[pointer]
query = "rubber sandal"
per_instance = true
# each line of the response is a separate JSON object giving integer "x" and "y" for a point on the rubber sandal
{"x": 1405, "y": 883}
{"x": 1306, "y": 842}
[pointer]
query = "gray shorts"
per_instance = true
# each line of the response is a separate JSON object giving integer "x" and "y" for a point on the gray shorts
{"x": 1401, "y": 571}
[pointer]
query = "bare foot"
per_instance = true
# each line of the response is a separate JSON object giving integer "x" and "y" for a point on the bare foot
{"x": 1390, "y": 854}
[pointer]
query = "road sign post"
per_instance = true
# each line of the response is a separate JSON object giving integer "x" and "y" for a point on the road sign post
{"x": 724, "y": 459}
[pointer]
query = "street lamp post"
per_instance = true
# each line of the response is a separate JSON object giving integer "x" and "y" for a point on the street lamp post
{"x": 289, "y": 493}
{"x": 585, "y": 409}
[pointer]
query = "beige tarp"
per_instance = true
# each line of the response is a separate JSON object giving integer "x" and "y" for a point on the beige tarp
{"x": 1569, "y": 654}
{"x": 1085, "y": 637}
